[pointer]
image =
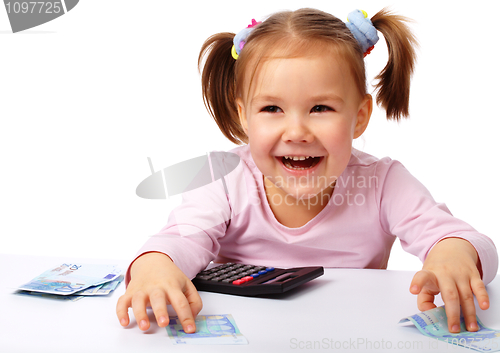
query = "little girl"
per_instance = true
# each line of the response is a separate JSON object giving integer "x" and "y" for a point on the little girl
{"x": 293, "y": 89}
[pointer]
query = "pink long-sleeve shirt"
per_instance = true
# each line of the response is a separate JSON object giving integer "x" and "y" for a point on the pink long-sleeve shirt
{"x": 374, "y": 201}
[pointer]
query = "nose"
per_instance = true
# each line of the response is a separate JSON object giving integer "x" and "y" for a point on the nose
{"x": 297, "y": 130}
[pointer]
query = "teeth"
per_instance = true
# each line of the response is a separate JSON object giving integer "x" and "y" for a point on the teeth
{"x": 288, "y": 164}
{"x": 295, "y": 158}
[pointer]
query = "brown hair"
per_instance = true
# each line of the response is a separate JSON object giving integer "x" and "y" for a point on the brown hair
{"x": 291, "y": 34}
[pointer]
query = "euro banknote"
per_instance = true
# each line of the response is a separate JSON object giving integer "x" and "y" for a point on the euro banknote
{"x": 433, "y": 323}
{"x": 72, "y": 298}
{"x": 70, "y": 278}
{"x": 210, "y": 329}
{"x": 102, "y": 289}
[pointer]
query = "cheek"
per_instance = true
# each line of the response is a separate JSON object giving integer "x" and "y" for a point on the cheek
{"x": 337, "y": 138}
{"x": 262, "y": 135}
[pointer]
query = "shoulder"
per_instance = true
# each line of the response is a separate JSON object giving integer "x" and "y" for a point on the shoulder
{"x": 235, "y": 166}
{"x": 364, "y": 163}
{"x": 246, "y": 163}
{"x": 224, "y": 163}
{"x": 383, "y": 173}
{"x": 243, "y": 152}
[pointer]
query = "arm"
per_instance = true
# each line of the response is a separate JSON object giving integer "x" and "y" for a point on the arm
{"x": 190, "y": 239}
{"x": 157, "y": 281}
{"x": 453, "y": 269}
{"x": 461, "y": 261}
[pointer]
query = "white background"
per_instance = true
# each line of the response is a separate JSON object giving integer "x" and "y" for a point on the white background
{"x": 86, "y": 98}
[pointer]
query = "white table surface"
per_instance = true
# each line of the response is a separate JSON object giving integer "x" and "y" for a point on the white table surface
{"x": 358, "y": 310}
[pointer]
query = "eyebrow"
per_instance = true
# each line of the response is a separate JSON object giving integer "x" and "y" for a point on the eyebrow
{"x": 264, "y": 98}
{"x": 319, "y": 98}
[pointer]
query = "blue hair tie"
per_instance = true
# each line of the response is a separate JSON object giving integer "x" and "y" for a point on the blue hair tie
{"x": 240, "y": 39}
{"x": 363, "y": 30}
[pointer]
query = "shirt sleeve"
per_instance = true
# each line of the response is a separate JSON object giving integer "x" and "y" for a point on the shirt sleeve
{"x": 408, "y": 211}
{"x": 191, "y": 235}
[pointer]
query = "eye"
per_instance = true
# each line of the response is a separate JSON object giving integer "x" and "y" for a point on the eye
{"x": 321, "y": 109}
{"x": 272, "y": 109}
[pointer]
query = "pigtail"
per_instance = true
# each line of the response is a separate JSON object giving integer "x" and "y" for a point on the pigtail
{"x": 218, "y": 85}
{"x": 393, "y": 84}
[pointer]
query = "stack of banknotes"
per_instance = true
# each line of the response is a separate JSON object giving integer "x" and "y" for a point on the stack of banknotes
{"x": 73, "y": 281}
{"x": 433, "y": 323}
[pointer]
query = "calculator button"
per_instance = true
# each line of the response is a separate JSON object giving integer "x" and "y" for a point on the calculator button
{"x": 255, "y": 275}
{"x": 205, "y": 277}
{"x": 269, "y": 269}
{"x": 247, "y": 278}
{"x": 216, "y": 279}
{"x": 238, "y": 282}
{"x": 262, "y": 272}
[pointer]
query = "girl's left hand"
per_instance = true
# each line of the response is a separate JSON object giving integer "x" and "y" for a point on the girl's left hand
{"x": 452, "y": 269}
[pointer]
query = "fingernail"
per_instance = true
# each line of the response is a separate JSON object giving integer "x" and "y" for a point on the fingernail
{"x": 162, "y": 320}
{"x": 123, "y": 322}
{"x": 414, "y": 288}
{"x": 189, "y": 329}
{"x": 473, "y": 326}
{"x": 455, "y": 328}
{"x": 485, "y": 303}
{"x": 143, "y": 324}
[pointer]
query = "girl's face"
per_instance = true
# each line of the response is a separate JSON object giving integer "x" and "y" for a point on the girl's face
{"x": 301, "y": 115}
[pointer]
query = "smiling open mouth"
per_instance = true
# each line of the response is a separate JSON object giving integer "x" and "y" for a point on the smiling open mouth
{"x": 300, "y": 163}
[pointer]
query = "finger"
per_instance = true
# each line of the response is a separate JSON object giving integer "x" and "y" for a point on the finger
{"x": 450, "y": 295}
{"x": 139, "y": 302}
{"x": 158, "y": 302}
{"x": 417, "y": 283}
{"x": 424, "y": 284}
{"x": 425, "y": 301}
{"x": 479, "y": 290}
{"x": 421, "y": 279}
{"x": 467, "y": 305}
{"x": 181, "y": 306}
{"x": 194, "y": 299}
{"x": 122, "y": 309}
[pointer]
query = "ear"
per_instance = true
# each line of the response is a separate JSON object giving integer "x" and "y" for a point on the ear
{"x": 242, "y": 115}
{"x": 364, "y": 114}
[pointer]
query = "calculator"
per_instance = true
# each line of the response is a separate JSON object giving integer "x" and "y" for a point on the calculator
{"x": 251, "y": 280}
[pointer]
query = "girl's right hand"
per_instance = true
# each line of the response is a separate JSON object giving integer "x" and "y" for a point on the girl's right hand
{"x": 156, "y": 281}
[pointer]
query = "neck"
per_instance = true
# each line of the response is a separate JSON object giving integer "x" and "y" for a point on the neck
{"x": 293, "y": 212}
